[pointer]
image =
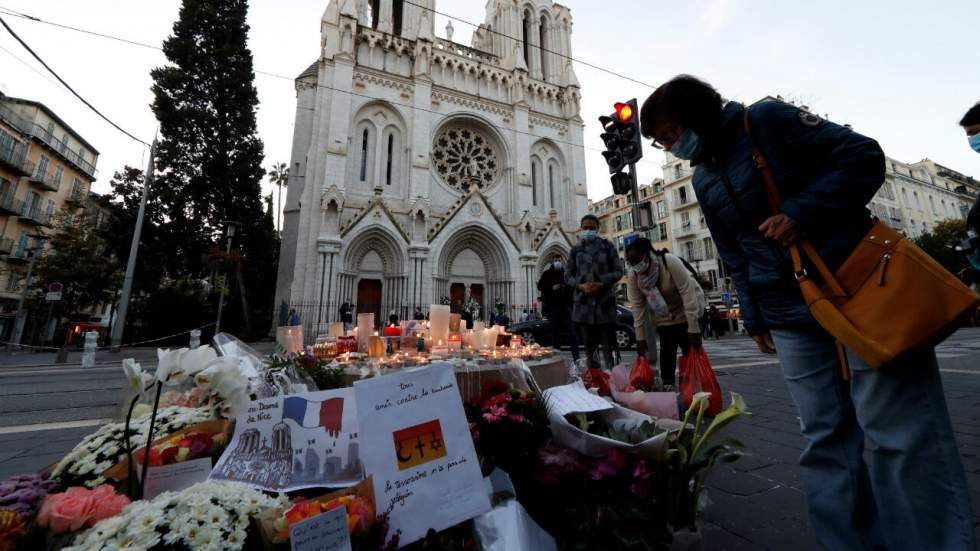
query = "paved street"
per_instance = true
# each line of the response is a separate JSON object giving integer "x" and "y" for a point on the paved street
{"x": 756, "y": 504}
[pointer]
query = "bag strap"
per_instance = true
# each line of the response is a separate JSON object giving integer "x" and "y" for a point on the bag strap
{"x": 775, "y": 201}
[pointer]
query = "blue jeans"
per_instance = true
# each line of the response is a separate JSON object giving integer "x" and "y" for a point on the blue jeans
{"x": 914, "y": 494}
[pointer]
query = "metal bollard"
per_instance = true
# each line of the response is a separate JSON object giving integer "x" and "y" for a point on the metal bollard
{"x": 91, "y": 343}
{"x": 195, "y": 338}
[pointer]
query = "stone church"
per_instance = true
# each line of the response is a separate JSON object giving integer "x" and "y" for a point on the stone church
{"x": 423, "y": 169}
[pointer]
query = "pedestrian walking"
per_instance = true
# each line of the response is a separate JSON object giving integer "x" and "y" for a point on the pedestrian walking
{"x": 347, "y": 316}
{"x": 557, "y": 298}
{"x": 913, "y": 494}
{"x": 661, "y": 288}
{"x": 593, "y": 269}
{"x": 293, "y": 317}
{"x": 971, "y": 274}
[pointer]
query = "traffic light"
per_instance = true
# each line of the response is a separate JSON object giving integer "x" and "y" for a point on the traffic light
{"x": 621, "y": 136}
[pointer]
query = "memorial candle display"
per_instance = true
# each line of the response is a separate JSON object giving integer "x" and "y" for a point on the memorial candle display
{"x": 455, "y": 342}
{"x": 336, "y": 330}
{"x": 393, "y": 331}
{"x": 365, "y": 328}
{"x": 376, "y": 347}
{"x": 439, "y": 320}
{"x": 454, "y": 321}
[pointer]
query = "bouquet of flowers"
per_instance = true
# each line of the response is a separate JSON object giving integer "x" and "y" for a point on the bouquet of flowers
{"x": 12, "y": 528}
{"x": 204, "y": 440}
{"x": 208, "y": 515}
{"x": 596, "y": 379}
{"x": 508, "y": 425}
{"x": 77, "y": 507}
{"x": 24, "y": 493}
{"x": 86, "y": 464}
{"x": 360, "y": 514}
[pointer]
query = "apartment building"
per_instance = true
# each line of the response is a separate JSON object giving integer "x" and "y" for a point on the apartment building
{"x": 917, "y": 196}
{"x": 45, "y": 168}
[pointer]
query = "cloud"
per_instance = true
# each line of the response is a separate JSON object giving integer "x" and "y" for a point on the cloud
{"x": 716, "y": 15}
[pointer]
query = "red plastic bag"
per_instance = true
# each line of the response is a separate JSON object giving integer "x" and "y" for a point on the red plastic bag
{"x": 697, "y": 376}
{"x": 641, "y": 376}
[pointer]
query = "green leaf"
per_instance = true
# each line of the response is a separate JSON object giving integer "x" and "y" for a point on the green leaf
{"x": 734, "y": 411}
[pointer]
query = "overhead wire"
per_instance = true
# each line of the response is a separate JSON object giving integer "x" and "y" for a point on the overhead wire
{"x": 65, "y": 84}
{"x": 32, "y": 18}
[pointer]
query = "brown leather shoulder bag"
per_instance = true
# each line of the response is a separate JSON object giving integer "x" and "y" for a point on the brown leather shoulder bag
{"x": 887, "y": 299}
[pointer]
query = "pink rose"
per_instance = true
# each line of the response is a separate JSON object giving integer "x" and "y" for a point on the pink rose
{"x": 108, "y": 507}
{"x": 67, "y": 512}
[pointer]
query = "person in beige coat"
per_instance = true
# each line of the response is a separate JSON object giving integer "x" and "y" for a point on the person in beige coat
{"x": 660, "y": 286}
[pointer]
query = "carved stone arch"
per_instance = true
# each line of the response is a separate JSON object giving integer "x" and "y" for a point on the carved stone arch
{"x": 488, "y": 246}
{"x": 382, "y": 242}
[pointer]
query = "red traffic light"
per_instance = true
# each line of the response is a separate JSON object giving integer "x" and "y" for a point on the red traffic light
{"x": 624, "y": 111}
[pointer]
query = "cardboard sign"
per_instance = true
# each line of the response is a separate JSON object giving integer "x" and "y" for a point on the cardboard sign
{"x": 297, "y": 441}
{"x": 419, "y": 450}
{"x": 176, "y": 477}
{"x": 326, "y": 532}
{"x": 573, "y": 398}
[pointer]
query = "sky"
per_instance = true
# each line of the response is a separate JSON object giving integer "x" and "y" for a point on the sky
{"x": 895, "y": 70}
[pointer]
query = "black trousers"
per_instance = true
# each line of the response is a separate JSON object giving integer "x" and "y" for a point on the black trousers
{"x": 672, "y": 338}
{"x": 596, "y": 336}
{"x": 563, "y": 329}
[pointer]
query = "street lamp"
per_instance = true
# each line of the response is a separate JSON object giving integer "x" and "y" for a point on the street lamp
{"x": 230, "y": 232}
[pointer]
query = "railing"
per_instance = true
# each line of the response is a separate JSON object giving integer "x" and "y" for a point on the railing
{"x": 6, "y": 246}
{"x": 465, "y": 51}
{"x": 46, "y": 180}
{"x": 32, "y": 213}
{"x": 685, "y": 229}
{"x": 7, "y": 202}
{"x": 15, "y": 119}
{"x": 14, "y": 155}
{"x": 72, "y": 156}
{"x": 76, "y": 196}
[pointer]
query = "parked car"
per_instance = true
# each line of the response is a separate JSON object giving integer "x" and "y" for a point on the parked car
{"x": 539, "y": 331}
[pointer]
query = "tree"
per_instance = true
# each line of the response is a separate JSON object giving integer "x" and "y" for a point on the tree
{"x": 79, "y": 259}
{"x": 209, "y": 156}
{"x": 941, "y": 244}
{"x": 279, "y": 176}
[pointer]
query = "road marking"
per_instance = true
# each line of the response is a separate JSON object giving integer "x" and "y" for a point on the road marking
{"x": 750, "y": 364}
{"x": 53, "y": 426}
{"x": 964, "y": 371}
{"x": 20, "y": 372}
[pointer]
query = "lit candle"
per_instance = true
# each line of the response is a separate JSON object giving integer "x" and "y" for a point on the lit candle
{"x": 440, "y": 349}
{"x": 393, "y": 331}
{"x": 455, "y": 342}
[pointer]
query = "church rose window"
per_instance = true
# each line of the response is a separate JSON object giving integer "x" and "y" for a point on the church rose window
{"x": 460, "y": 154}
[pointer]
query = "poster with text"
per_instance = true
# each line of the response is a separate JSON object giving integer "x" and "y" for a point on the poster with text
{"x": 298, "y": 441}
{"x": 420, "y": 451}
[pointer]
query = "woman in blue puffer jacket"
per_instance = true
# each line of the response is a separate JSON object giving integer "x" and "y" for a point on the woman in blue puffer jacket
{"x": 913, "y": 495}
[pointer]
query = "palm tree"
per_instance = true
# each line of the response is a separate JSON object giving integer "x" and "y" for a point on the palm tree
{"x": 279, "y": 176}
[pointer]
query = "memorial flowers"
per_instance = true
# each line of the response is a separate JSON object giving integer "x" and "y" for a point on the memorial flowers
{"x": 12, "y": 528}
{"x": 78, "y": 507}
{"x": 24, "y": 493}
{"x": 508, "y": 425}
{"x": 86, "y": 464}
{"x": 360, "y": 514}
{"x": 209, "y": 515}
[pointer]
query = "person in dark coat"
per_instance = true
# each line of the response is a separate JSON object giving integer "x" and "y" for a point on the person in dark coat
{"x": 594, "y": 268}
{"x": 347, "y": 315}
{"x": 557, "y": 298}
{"x": 914, "y": 494}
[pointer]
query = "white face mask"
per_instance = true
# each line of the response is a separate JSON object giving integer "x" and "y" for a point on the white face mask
{"x": 556, "y": 264}
{"x": 642, "y": 267}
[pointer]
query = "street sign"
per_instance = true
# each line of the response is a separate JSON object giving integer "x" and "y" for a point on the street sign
{"x": 726, "y": 297}
{"x": 54, "y": 287}
{"x": 53, "y": 296}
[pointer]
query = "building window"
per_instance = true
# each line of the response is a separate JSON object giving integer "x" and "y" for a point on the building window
{"x": 551, "y": 185}
{"x": 534, "y": 183}
{"x": 918, "y": 203}
{"x": 51, "y": 130}
{"x": 887, "y": 191}
{"x": 59, "y": 172}
{"x": 364, "y": 154}
{"x": 682, "y": 195}
{"x": 42, "y": 167}
{"x": 391, "y": 150}
{"x": 685, "y": 220}
{"x": 661, "y": 210}
{"x": 932, "y": 205}
{"x": 709, "y": 248}
{"x": 689, "y": 251}
{"x": 527, "y": 39}
{"x": 542, "y": 36}
{"x": 397, "y": 8}
{"x": 22, "y": 245}
{"x": 50, "y": 211}
{"x": 678, "y": 171}
{"x": 64, "y": 140}
{"x": 619, "y": 224}
{"x": 662, "y": 228}
{"x": 11, "y": 281}
{"x": 905, "y": 198}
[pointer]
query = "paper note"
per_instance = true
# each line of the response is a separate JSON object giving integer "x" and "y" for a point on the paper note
{"x": 419, "y": 450}
{"x": 325, "y": 532}
{"x": 297, "y": 441}
{"x": 176, "y": 477}
{"x": 573, "y": 398}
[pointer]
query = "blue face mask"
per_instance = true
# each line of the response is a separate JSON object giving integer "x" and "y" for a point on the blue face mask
{"x": 688, "y": 146}
{"x": 589, "y": 235}
{"x": 975, "y": 142}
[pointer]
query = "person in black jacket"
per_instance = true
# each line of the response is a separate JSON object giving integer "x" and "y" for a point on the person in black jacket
{"x": 347, "y": 315}
{"x": 557, "y": 299}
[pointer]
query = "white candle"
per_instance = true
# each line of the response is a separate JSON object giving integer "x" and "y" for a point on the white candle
{"x": 365, "y": 328}
{"x": 439, "y": 319}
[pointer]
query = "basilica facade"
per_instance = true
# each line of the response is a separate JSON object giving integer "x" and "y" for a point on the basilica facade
{"x": 426, "y": 171}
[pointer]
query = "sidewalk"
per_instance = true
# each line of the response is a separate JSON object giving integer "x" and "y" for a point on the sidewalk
{"x": 24, "y": 359}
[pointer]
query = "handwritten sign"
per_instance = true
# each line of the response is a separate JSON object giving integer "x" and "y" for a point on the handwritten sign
{"x": 573, "y": 398}
{"x": 420, "y": 451}
{"x": 296, "y": 441}
{"x": 326, "y": 532}
{"x": 176, "y": 477}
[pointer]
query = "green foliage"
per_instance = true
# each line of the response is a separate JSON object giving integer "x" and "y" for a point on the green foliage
{"x": 940, "y": 244}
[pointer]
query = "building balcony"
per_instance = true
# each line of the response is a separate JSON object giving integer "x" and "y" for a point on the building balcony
{"x": 685, "y": 230}
{"x": 61, "y": 149}
{"x": 76, "y": 198}
{"x": 6, "y": 246}
{"x": 7, "y": 204}
{"x": 32, "y": 215}
{"x": 18, "y": 255}
{"x": 13, "y": 157}
{"x": 45, "y": 181}
{"x": 677, "y": 204}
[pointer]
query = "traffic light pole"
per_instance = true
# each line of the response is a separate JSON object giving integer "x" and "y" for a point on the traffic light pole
{"x": 637, "y": 223}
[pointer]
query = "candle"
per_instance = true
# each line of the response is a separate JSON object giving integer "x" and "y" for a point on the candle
{"x": 376, "y": 347}
{"x": 336, "y": 330}
{"x": 420, "y": 343}
{"x": 516, "y": 342}
{"x": 455, "y": 342}
{"x": 365, "y": 326}
{"x": 393, "y": 331}
{"x": 440, "y": 349}
{"x": 439, "y": 322}
{"x": 454, "y": 321}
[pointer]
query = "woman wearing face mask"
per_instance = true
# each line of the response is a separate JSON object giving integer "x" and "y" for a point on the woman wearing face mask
{"x": 661, "y": 286}
{"x": 913, "y": 493}
{"x": 557, "y": 299}
{"x": 593, "y": 269}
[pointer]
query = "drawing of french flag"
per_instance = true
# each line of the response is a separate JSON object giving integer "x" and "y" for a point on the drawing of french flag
{"x": 328, "y": 414}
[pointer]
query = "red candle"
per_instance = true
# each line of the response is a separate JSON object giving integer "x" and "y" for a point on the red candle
{"x": 392, "y": 331}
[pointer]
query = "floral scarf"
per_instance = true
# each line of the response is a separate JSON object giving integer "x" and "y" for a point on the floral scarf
{"x": 649, "y": 284}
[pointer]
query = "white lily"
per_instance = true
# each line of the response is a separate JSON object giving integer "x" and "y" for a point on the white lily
{"x": 169, "y": 370}
{"x": 193, "y": 361}
{"x": 134, "y": 375}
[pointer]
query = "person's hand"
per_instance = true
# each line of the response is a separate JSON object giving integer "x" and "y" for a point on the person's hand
{"x": 780, "y": 228}
{"x": 765, "y": 344}
{"x": 641, "y": 348}
{"x": 556, "y": 286}
{"x": 694, "y": 340}
{"x": 595, "y": 288}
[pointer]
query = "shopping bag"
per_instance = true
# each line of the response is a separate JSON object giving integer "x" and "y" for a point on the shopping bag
{"x": 641, "y": 376}
{"x": 697, "y": 376}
